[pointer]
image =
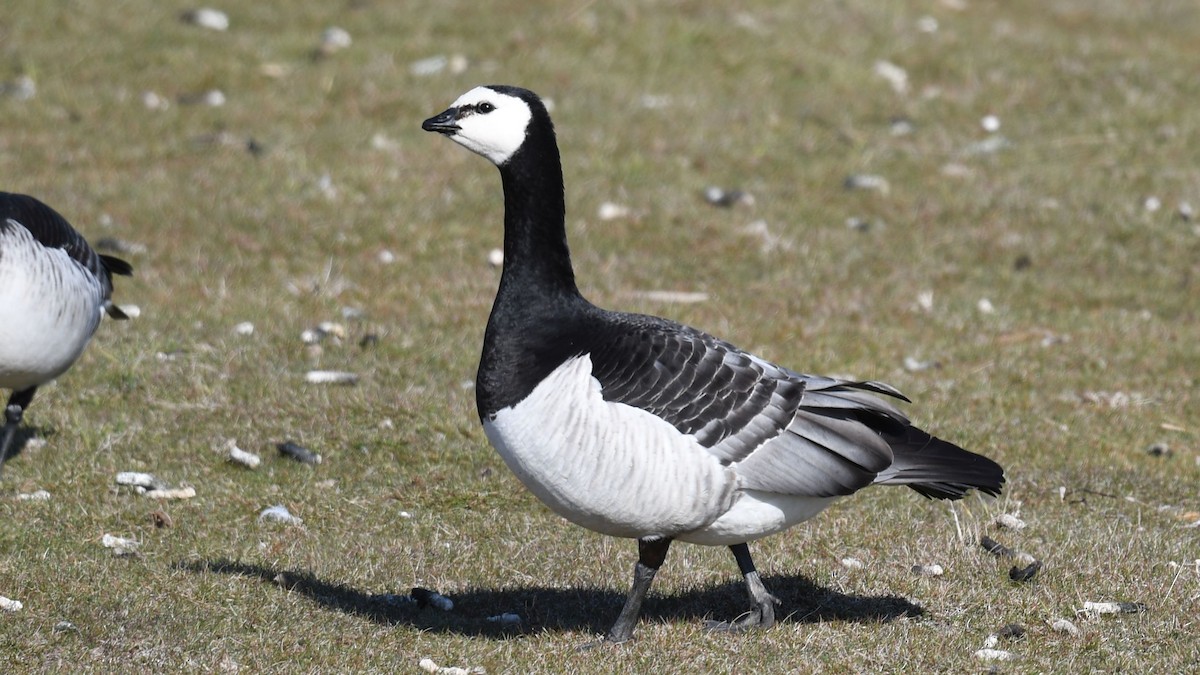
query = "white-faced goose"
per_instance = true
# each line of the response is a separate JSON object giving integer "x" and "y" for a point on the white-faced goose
{"x": 636, "y": 426}
{"x": 53, "y": 289}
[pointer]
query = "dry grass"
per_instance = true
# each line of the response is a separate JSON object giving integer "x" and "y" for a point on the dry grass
{"x": 1097, "y": 99}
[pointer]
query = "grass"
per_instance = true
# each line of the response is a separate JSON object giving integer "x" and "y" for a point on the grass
{"x": 1088, "y": 359}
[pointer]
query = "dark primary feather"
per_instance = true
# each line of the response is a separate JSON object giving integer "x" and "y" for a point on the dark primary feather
{"x": 937, "y": 468}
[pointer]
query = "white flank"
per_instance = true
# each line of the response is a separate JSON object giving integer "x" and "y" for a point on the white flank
{"x": 755, "y": 515}
{"x": 497, "y": 134}
{"x": 49, "y": 307}
{"x": 624, "y": 472}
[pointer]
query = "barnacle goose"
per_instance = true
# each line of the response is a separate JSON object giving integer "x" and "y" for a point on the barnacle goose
{"x": 53, "y": 289}
{"x": 636, "y": 426}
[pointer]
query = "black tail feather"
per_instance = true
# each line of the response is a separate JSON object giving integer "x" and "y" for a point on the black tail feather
{"x": 115, "y": 265}
{"x": 938, "y": 469}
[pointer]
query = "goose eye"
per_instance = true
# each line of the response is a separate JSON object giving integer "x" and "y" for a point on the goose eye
{"x": 485, "y": 108}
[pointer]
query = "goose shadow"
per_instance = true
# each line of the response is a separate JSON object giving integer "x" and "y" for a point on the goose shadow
{"x": 23, "y": 435}
{"x": 591, "y": 609}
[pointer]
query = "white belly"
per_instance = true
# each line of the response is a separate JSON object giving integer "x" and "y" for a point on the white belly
{"x": 49, "y": 308}
{"x": 607, "y": 466}
{"x": 624, "y": 472}
{"x": 755, "y": 515}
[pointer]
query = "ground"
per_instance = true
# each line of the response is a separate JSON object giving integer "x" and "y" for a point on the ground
{"x": 1028, "y": 279}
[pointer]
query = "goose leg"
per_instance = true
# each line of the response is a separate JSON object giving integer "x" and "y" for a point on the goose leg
{"x": 651, "y": 554}
{"x": 13, "y": 413}
{"x": 762, "y": 612}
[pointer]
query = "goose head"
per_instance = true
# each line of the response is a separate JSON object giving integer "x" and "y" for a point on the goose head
{"x": 492, "y": 121}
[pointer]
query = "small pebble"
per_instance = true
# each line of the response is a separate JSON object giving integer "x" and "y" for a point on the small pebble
{"x": 172, "y": 493}
{"x": 22, "y": 89}
{"x": 915, "y": 365}
{"x": 330, "y": 377}
{"x": 611, "y": 211}
{"x": 459, "y": 64}
{"x": 1158, "y": 450}
{"x": 429, "y": 66}
{"x": 495, "y": 257}
{"x": 990, "y": 123}
{"x": 386, "y": 257}
{"x": 1152, "y": 204}
{"x": 332, "y": 329}
{"x": 866, "y": 181}
{"x": 985, "y": 306}
{"x": 996, "y": 548}
{"x": 657, "y": 101}
{"x": 206, "y": 17}
{"x": 334, "y": 39}
{"x": 1096, "y": 608}
{"x": 1025, "y": 573}
{"x": 240, "y": 456}
{"x": 1064, "y": 626}
{"x": 120, "y": 545}
{"x": 244, "y": 328}
{"x": 901, "y": 126}
{"x": 429, "y": 666}
{"x": 852, "y": 563}
{"x": 988, "y": 146}
{"x": 1185, "y": 211}
{"x": 994, "y": 655}
{"x": 424, "y": 597}
{"x": 279, "y": 514}
{"x": 325, "y": 186}
{"x": 396, "y": 599}
{"x": 213, "y": 98}
{"x": 893, "y": 74}
{"x": 152, "y": 101}
{"x": 65, "y": 627}
{"x": 718, "y": 196}
{"x": 299, "y": 453}
{"x": 1012, "y": 631}
{"x": 1009, "y": 521}
{"x": 683, "y": 297}
{"x": 10, "y": 605}
{"x": 933, "y": 570}
{"x": 36, "y": 496}
{"x": 274, "y": 70}
{"x": 506, "y": 619}
{"x": 861, "y": 224}
{"x": 141, "y": 481}
{"x": 161, "y": 519}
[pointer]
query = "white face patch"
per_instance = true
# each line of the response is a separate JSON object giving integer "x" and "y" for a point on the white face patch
{"x": 492, "y": 124}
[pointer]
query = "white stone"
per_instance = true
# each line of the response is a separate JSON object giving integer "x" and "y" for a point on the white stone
{"x": 206, "y": 17}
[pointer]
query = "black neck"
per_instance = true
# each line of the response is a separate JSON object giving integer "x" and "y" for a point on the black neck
{"x": 538, "y": 306}
{"x": 536, "y": 257}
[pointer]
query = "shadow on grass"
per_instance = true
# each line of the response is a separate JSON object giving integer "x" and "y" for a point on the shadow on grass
{"x": 23, "y": 435}
{"x": 576, "y": 609}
